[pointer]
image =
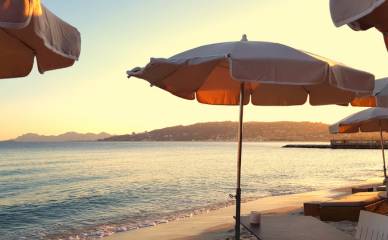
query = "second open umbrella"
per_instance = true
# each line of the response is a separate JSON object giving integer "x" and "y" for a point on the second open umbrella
{"x": 369, "y": 120}
{"x": 264, "y": 73}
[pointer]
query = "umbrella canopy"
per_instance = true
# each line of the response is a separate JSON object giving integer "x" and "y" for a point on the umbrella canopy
{"x": 379, "y": 98}
{"x": 27, "y": 30}
{"x": 369, "y": 120}
{"x": 264, "y": 73}
{"x": 361, "y": 14}
{"x": 274, "y": 74}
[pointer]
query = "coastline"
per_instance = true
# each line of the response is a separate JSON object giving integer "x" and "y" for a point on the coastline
{"x": 219, "y": 224}
{"x": 121, "y": 193}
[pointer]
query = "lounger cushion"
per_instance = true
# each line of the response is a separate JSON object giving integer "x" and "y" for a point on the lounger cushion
{"x": 355, "y": 200}
{"x": 362, "y": 189}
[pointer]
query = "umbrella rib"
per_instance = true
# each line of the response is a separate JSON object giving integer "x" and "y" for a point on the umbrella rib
{"x": 17, "y": 39}
{"x": 174, "y": 71}
{"x": 210, "y": 73}
{"x": 307, "y": 91}
{"x": 168, "y": 75}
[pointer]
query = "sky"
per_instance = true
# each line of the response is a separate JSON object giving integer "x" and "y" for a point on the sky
{"x": 94, "y": 95}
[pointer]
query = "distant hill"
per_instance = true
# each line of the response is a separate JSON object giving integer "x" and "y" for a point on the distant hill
{"x": 227, "y": 131}
{"x": 66, "y": 137}
{"x": 253, "y": 131}
{"x": 215, "y": 131}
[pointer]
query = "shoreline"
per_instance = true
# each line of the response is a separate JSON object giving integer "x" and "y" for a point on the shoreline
{"x": 112, "y": 199}
{"x": 218, "y": 224}
{"x": 106, "y": 230}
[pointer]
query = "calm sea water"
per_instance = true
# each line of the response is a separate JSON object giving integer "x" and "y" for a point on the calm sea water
{"x": 49, "y": 190}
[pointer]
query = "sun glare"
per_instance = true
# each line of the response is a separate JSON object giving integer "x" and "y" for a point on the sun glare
{"x": 30, "y": 7}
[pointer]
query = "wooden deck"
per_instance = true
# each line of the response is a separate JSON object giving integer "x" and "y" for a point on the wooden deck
{"x": 343, "y": 144}
{"x": 293, "y": 228}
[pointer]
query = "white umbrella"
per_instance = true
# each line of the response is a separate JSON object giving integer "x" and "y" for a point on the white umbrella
{"x": 27, "y": 30}
{"x": 379, "y": 97}
{"x": 369, "y": 120}
{"x": 264, "y": 73}
{"x": 361, "y": 14}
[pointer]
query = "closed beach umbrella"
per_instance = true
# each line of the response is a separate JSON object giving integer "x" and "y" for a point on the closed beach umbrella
{"x": 28, "y": 30}
{"x": 379, "y": 97}
{"x": 361, "y": 15}
{"x": 263, "y": 73}
{"x": 369, "y": 120}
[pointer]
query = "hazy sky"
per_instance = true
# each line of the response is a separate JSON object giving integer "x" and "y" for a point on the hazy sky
{"x": 95, "y": 94}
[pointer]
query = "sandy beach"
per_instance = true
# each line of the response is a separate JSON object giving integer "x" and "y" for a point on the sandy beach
{"x": 219, "y": 224}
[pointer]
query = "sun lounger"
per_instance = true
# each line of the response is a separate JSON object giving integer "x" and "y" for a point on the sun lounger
{"x": 362, "y": 189}
{"x": 347, "y": 207}
{"x": 312, "y": 208}
{"x": 372, "y": 226}
{"x": 380, "y": 207}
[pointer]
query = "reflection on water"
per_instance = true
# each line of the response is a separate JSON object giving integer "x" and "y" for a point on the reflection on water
{"x": 62, "y": 188}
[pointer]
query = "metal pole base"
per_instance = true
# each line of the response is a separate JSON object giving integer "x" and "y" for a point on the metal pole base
{"x": 238, "y": 215}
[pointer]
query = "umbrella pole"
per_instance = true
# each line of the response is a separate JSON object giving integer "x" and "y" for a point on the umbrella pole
{"x": 238, "y": 188}
{"x": 382, "y": 150}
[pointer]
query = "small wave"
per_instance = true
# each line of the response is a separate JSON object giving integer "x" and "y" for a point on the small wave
{"x": 107, "y": 230}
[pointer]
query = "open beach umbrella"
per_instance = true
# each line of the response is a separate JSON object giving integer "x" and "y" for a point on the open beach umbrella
{"x": 369, "y": 120}
{"x": 361, "y": 15}
{"x": 379, "y": 97}
{"x": 28, "y": 30}
{"x": 263, "y": 73}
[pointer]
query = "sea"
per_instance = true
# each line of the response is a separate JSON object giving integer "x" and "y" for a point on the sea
{"x": 88, "y": 190}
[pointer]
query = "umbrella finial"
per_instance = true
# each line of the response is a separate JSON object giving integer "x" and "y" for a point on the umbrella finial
{"x": 244, "y": 38}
